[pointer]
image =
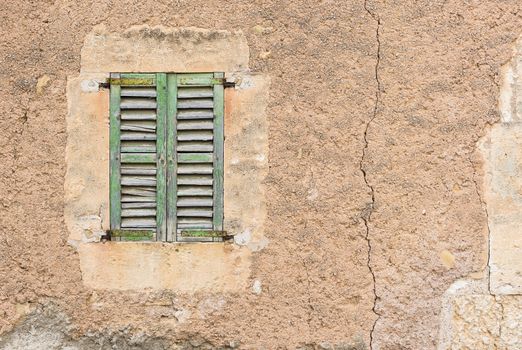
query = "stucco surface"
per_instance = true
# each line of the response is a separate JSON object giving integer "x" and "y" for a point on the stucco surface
{"x": 374, "y": 113}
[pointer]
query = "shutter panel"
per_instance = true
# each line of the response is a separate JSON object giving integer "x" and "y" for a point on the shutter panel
{"x": 195, "y": 158}
{"x": 137, "y": 156}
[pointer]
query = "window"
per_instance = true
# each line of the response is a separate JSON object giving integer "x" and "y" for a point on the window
{"x": 166, "y": 156}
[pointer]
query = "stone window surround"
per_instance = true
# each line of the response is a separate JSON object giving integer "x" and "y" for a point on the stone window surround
{"x": 179, "y": 266}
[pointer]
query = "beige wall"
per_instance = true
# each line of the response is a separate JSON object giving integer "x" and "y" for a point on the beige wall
{"x": 389, "y": 176}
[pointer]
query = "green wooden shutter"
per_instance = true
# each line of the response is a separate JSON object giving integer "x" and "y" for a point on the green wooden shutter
{"x": 137, "y": 156}
{"x": 166, "y": 151}
{"x": 195, "y": 156}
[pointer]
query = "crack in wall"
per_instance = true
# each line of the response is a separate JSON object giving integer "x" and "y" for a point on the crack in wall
{"x": 367, "y": 212}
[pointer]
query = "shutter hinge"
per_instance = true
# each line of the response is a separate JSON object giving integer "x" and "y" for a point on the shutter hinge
{"x": 106, "y": 237}
{"x": 229, "y": 84}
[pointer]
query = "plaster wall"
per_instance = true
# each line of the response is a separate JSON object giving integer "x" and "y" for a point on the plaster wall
{"x": 374, "y": 187}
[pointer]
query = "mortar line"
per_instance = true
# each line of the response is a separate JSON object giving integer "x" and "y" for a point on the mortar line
{"x": 369, "y": 210}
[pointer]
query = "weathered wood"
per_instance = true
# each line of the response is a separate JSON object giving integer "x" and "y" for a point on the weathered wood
{"x": 146, "y": 222}
{"x": 194, "y": 146}
{"x": 161, "y": 146}
{"x": 138, "y": 91}
{"x": 114, "y": 156}
{"x": 195, "y": 135}
{"x": 195, "y": 103}
{"x": 195, "y": 212}
{"x": 195, "y": 191}
{"x": 138, "y": 147}
{"x": 195, "y": 222}
{"x": 137, "y": 212}
{"x": 138, "y": 191}
{"x": 195, "y": 157}
{"x": 138, "y": 157}
{"x": 172, "y": 88}
{"x": 195, "y": 124}
{"x": 200, "y": 180}
{"x": 138, "y": 103}
{"x": 194, "y": 225}
{"x": 139, "y": 126}
{"x": 135, "y": 199}
{"x": 204, "y": 233}
{"x": 195, "y": 169}
{"x": 199, "y": 79}
{"x": 218, "y": 154}
{"x": 138, "y": 205}
{"x": 195, "y": 92}
{"x": 133, "y": 234}
{"x": 138, "y": 180}
{"x": 141, "y": 170}
{"x": 195, "y": 114}
{"x": 136, "y": 136}
{"x": 195, "y": 202}
{"x": 138, "y": 115}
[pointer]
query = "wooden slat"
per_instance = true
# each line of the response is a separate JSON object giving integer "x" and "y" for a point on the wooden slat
{"x": 195, "y": 135}
{"x": 138, "y": 103}
{"x": 139, "y": 191}
{"x": 195, "y": 147}
{"x": 195, "y": 225}
{"x": 195, "y": 201}
{"x": 146, "y": 222}
{"x": 200, "y": 180}
{"x": 195, "y": 169}
{"x": 127, "y": 170}
{"x": 129, "y": 213}
{"x": 218, "y": 154}
{"x": 138, "y": 199}
{"x": 139, "y": 126}
{"x": 194, "y": 222}
{"x": 195, "y": 103}
{"x": 138, "y": 157}
{"x": 138, "y": 115}
{"x": 138, "y": 180}
{"x": 114, "y": 147}
{"x": 195, "y": 114}
{"x": 161, "y": 146}
{"x": 195, "y": 157}
{"x": 138, "y": 147}
{"x": 138, "y": 92}
{"x": 137, "y": 136}
{"x": 195, "y": 212}
{"x": 195, "y": 124}
{"x": 194, "y": 191}
{"x": 195, "y": 92}
{"x": 138, "y": 205}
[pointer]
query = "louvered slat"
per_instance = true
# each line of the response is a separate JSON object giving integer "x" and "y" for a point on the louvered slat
{"x": 195, "y": 158}
{"x": 138, "y": 159}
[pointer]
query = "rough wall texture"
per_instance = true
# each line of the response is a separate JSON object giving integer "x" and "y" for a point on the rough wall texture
{"x": 374, "y": 195}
